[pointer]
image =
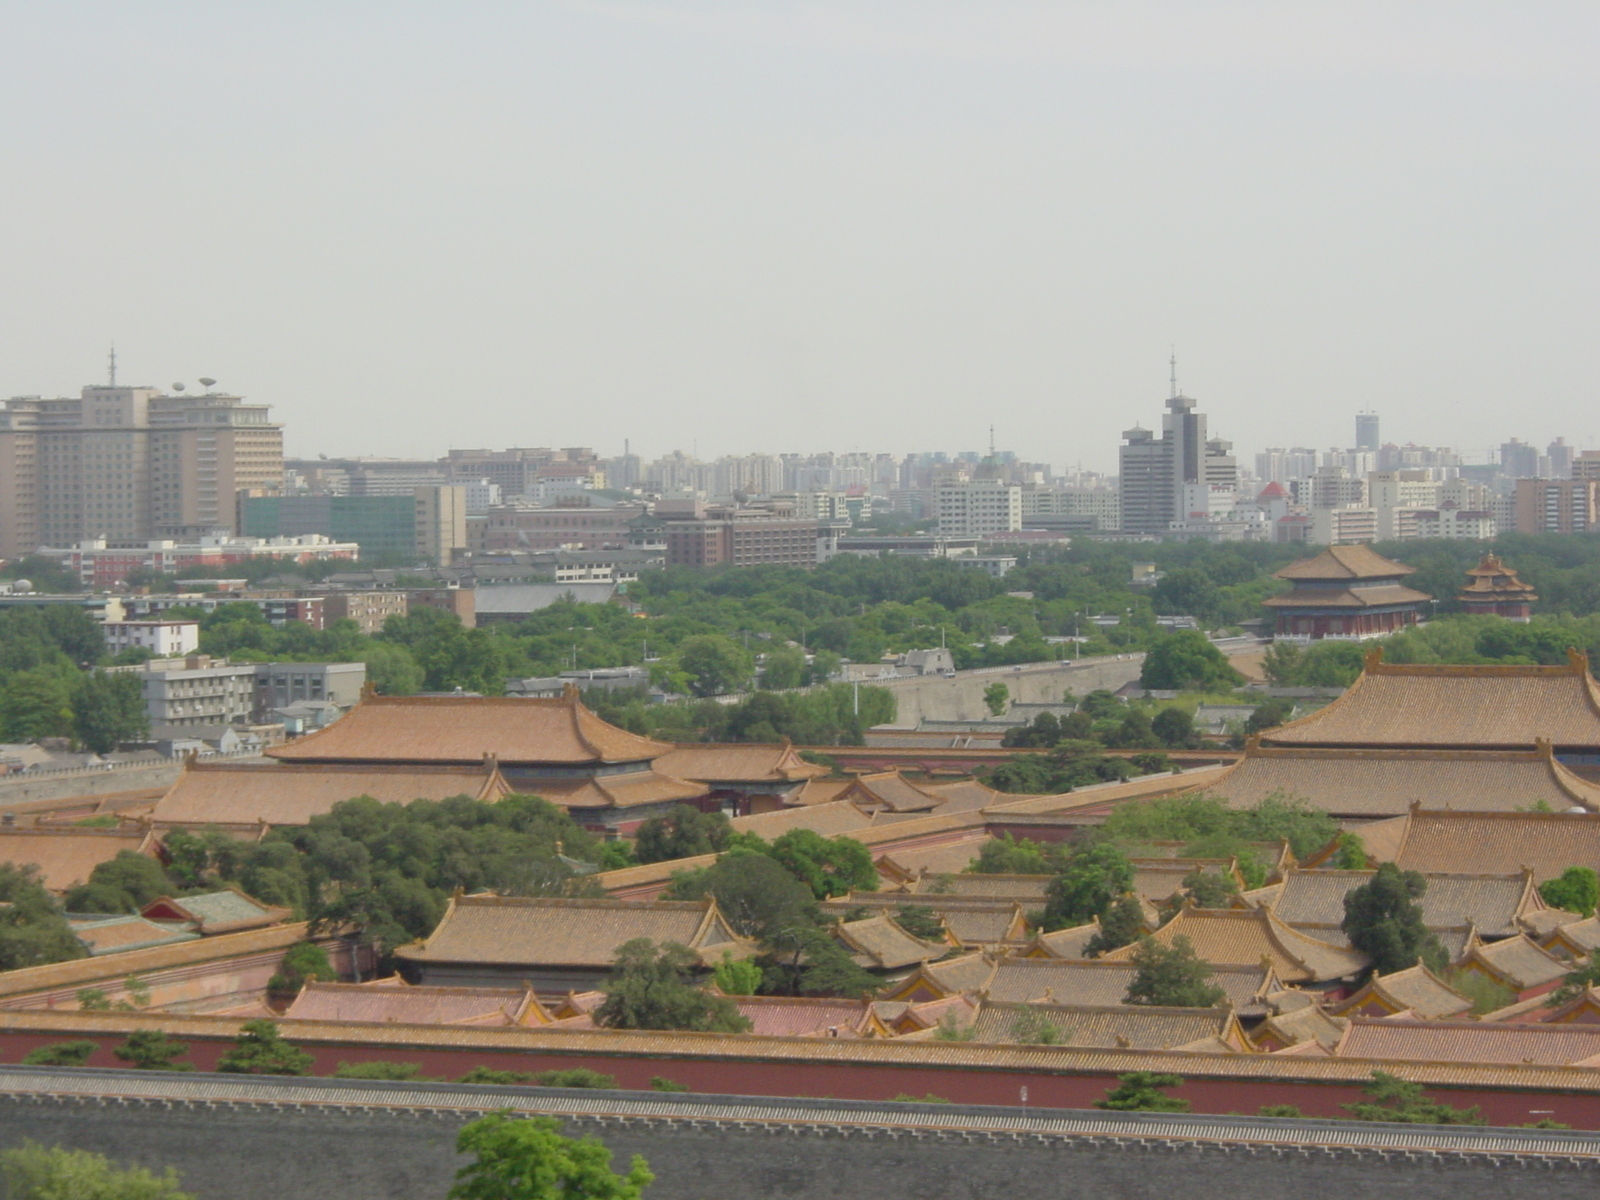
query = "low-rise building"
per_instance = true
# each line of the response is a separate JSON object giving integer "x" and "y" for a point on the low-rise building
{"x": 369, "y": 610}
{"x": 279, "y": 685}
{"x": 163, "y": 639}
{"x": 196, "y": 690}
{"x": 102, "y": 565}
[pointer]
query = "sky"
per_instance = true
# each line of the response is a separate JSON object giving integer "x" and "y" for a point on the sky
{"x": 756, "y": 227}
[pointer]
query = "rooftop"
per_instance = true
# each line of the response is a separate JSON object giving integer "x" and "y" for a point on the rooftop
{"x": 1345, "y": 562}
{"x": 1240, "y": 937}
{"x": 464, "y": 730}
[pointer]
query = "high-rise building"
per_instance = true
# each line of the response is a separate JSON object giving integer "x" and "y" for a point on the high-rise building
{"x": 130, "y": 464}
{"x": 978, "y": 507}
{"x": 1560, "y": 456}
{"x": 441, "y": 522}
{"x": 1367, "y": 431}
{"x": 1154, "y": 470}
{"x": 1519, "y": 460}
{"x": 1557, "y": 505}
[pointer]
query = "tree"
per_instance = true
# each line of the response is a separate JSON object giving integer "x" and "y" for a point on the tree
{"x": 1033, "y": 1028}
{"x": 996, "y": 698}
{"x": 1578, "y": 981}
{"x": 259, "y": 1050}
{"x": 685, "y": 832}
{"x": 576, "y": 1077}
{"x": 806, "y": 960}
{"x": 300, "y": 963}
{"x": 1383, "y": 920}
{"x": 1576, "y": 890}
{"x": 1209, "y": 889}
{"x": 1390, "y": 1098}
{"x": 153, "y": 1050}
{"x": 1093, "y": 877}
{"x": 493, "y": 1075}
{"x": 1186, "y": 661}
{"x": 920, "y": 921}
{"x": 654, "y": 987}
{"x": 1140, "y": 1091}
{"x": 736, "y": 976}
{"x": 1172, "y": 976}
{"x": 108, "y": 709}
{"x": 33, "y": 931}
{"x": 783, "y": 668}
{"x": 36, "y": 704}
{"x": 1120, "y": 925}
{"x": 1269, "y": 715}
{"x": 714, "y": 665}
{"x": 758, "y": 897}
{"x": 528, "y": 1159}
{"x": 1174, "y": 726}
{"x": 828, "y": 866}
{"x": 124, "y": 884}
{"x": 61, "y": 1054}
{"x": 35, "y": 1172}
{"x": 379, "y": 1068}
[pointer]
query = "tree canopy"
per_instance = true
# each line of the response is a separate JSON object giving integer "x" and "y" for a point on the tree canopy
{"x": 1172, "y": 976}
{"x": 527, "y": 1158}
{"x": 656, "y": 987}
{"x": 35, "y": 1172}
{"x": 1383, "y": 920}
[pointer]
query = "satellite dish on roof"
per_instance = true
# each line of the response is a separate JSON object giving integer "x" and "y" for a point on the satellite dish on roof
{"x": 177, "y": 387}
{"x": 207, "y": 382}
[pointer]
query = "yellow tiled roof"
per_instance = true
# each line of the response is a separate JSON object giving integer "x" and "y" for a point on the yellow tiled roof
{"x": 742, "y": 762}
{"x": 1463, "y": 707}
{"x": 1469, "y": 1042}
{"x": 1492, "y": 904}
{"x": 1387, "y": 782}
{"x": 250, "y": 793}
{"x": 65, "y": 857}
{"x": 1498, "y": 843}
{"x": 1108, "y": 1026}
{"x": 361, "y": 1002}
{"x": 1416, "y": 989}
{"x": 1345, "y": 562}
{"x": 1240, "y": 937}
{"x": 1519, "y": 962}
{"x": 512, "y": 930}
{"x": 463, "y": 729}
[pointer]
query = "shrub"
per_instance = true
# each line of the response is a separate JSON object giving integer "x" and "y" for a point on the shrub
{"x": 153, "y": 1050}
{"x": 379, "y": 1069}
{"x": 659, "y": 1084}
{"x": 1140, "y": 1091}
{"x": 575, "y": 1077}
{"x": 60, "y": 1054}
{"x": 493, "y": 1075}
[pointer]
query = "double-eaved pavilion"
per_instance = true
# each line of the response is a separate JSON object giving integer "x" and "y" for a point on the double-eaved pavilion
{"x": 1493, "y": 589}
{"x": 1345, "y": 592}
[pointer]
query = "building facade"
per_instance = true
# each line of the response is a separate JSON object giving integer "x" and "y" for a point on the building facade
{"x": 1557, "y": 505}
{"x": 441, "y": 522}
{"x": 1155, "y": 469}
{"x": 978, "y": 507}
{"x": 279, "y": 685}
{"x": 163, "y": 639}
{"x": 100, "y": 564}
{"x": 378, "y": 524}
{"x": 130, "y": 464}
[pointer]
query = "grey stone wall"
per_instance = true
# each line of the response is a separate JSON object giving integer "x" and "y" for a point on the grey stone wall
{"x": 259, "y": 1150}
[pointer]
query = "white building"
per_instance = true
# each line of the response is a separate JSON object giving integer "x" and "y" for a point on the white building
{"x": 196, "y": 690}
{"x": 978, "y": 507}
{"x": 1469, "y": 525}
{"x": 1344, "y": 526}
{"x": 163, "y": 639}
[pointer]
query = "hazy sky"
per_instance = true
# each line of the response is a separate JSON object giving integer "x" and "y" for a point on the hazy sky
{"x": 769, "y": 226}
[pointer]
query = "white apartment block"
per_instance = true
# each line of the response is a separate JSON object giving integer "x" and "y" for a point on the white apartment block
{"x": 1398, "y": 495}
{"x": 978, "y": 507}
{"x": 196, "y": 690}
{"x": 1344, "y": 526}
{"x": 163, "y": 639}
{"x": 1468, "y": 525}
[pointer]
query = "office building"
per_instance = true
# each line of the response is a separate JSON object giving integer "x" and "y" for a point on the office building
{"x": 1367, "y": 431}
{"x": 1519, "y": 460}
{"x": 129, "y": 464}
{"x": 702, "y": 535}
{"x": 378, "y": 524}
{"x": 977, "y": 507}
{"x": 441, "y": 523}
{"x": 101, "y": 565}
{"x": 163, "y": 639}
{"x": 278, "y": 685}
{"x": 1155, "y": 469}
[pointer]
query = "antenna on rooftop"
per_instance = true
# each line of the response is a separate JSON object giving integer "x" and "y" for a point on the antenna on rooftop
{"x": 1174, "y": 371}
{"x": 991, "y": 441}
{"x": 113, "y": 364}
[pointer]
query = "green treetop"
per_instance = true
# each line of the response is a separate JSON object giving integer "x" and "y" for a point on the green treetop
{"x": 528, "y": 1159}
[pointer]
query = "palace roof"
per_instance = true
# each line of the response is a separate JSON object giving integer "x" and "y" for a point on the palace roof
{"x": 1345, "y": 563}
{"x": 1415, "y": 989}
{"x": 630, "y": 790}
{"x": 66, "y": 857}
{"x": 115, "y": 935}
{"x": 227, "y": 911}
{"x": 1024, "y": 889}
{"x": 971, "y": 920}
{"x": 879, "y": 944}
{"x": 1518, "y": 962}
{"x": 1238, "y": 937}
{"x": 1313, "y": 901}
{"x": 1492, "y": 580}
{"x": 1105, "y": 981}
{"x": 1427, "y": 840}
{"x": 251, "y": 794}
{"x": 394, "y": 1000}
{"x": 1354, "y": 783}
{"x": 464, "y": 729}
{"x": 1535, "y": 1044}
{"x": 1460, "y": 707}
{"x": 1369, "y": 596}
{"x": 543, "y": 931}
{"x": 1124, "y": 1026}
{"x": 738, "y": 763}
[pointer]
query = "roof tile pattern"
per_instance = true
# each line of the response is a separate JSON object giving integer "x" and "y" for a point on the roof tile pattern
{"x": 1469, "y": 1042}
{"x": 1345, "y": 562}
{"x": 1102, "y": 982}
{"x": 1462, "y": 707}
{"x": 1128, "y": 1026}
{"x": 393, "y": 1001}
{"x": 463, "y": 729}
{"x": 507, "y": 930}
{"x": 1416, "y": 989}
{"x": 738, "y": 763}
{"x": 250, "y": 793}
{"x": 1385, "y": 783}
{"x": 1490, "y": 903}
{"x": 65, "y": 857}
{"x": 1238, "y": 937}
{"x": 1495, "y": 843}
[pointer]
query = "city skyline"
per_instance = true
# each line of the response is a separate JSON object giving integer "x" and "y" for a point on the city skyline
{"x": 814, "y": 225}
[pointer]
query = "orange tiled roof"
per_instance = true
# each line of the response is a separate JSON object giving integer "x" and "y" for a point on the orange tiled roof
{"x": 1345, "y": 562}
{"x": 738, "y": 763}
{"x": 1124, "y": 1026}
{"x": 65, "y": 857}
{"x": 972, "y": 920}
{"x": 463, "y": 729}
{"x": 1416, "y": 989}
{"x": 1492, "y": 904}
{"x": 416, "y": 1005}
{"x": 113, "y": 935}
{"x": 1243, "y": 936}
{"x": 1498, "y": 843}
{"x": 1463, "y": 707}
{"x": 227, "y": 911}
{"x": 808, "y": 1016}
{"x": 616, "y": 791}
{"x": 1360, "y": 597}
{"x": 1024, "y": 889}
{"x": 1297, "y": 1027}
{"x": 878, "y": 943}
{"x": 1469, "y": 1042}
{"x": 1386, "y": 782}
{"x": 1518, "y": 962}
{"x": 542, "y": 931}
{"x": 1491, "y": 579}
{"x": 1105, "y": 981}
{"x": 252, "y": 793}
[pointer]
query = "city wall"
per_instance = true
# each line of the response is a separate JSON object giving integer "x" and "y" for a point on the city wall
{"x": 236, "y": 1140}
{"x": 938, "y": 698}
